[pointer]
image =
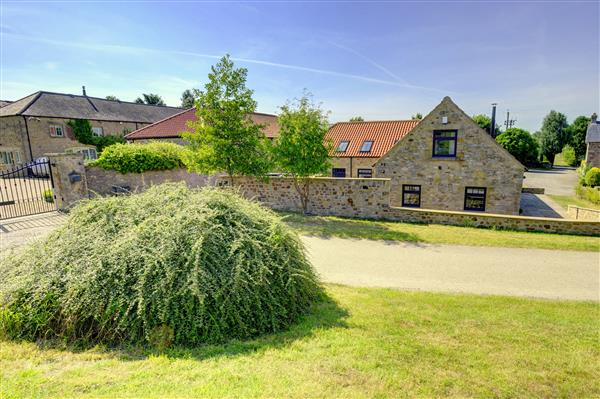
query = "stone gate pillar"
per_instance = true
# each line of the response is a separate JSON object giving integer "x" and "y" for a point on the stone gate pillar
{"x": 68, "y": 175}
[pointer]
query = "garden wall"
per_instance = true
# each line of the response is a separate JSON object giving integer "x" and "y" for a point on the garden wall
{"x": 577, "y": 213}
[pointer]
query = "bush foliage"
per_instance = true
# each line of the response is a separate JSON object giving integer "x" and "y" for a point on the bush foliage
{"x": 592, "y": 177}
{"x": 569, "y": 155}
{"x": 520, "y": 144}
{"x": 138, "y": 158}
{"x": 167, "y": 266}
{"x": 82, "y": 130}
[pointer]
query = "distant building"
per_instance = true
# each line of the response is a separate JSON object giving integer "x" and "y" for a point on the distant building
{"x": 170, "y": 128}
{"x": 37, "y": 124}
{"x": 592, "y": 139}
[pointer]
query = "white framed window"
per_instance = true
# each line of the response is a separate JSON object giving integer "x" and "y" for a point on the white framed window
{"x": 8, "y": 157}
{"x": 57, "y": 131}
{"x": 97, "y": 131}
{"x": 89, "y": 153}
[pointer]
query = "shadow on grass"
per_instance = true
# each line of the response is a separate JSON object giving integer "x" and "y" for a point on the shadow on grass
{"x": 347, "y": 228}
{"x": 324, "y": 315}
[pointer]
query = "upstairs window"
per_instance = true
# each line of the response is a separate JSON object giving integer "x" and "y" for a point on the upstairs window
{"x": 444, "y": 143}
{"x": 411, "y": 195}
{"x": 343, "y": 146}
{"x": 97, "y": 131}
{"x": 56, "y": 131}
{"x": 366, "y": 146}
{"x": 475, "y": 198}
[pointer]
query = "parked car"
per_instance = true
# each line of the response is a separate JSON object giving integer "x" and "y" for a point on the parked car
{"x": 39, "y": 168}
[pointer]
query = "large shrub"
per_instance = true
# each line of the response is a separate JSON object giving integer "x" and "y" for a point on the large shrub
{"x": 82, "y": 130}
{"x": 520, "y": 144}
{"x": 138, "y": 158}
{"x": 167, "y": 266}
{"x": 588, "y": 193}
{"x": 592, "y": 177}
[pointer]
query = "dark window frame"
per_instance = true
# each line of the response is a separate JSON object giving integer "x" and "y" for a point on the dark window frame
{"x": 436, "y": 139}
{"x": 406, "y": 190}
{"x": 476, "y": 196}
{"x": 338, "y": 169}
{"x": 370, "y": 174}
{"x": 363, "y": 144}
{"x": 340, "y": 144}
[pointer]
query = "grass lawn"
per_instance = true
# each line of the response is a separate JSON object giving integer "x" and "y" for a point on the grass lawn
{"x": 439, "y": 234}
{"x": 565, "y": 200}
{"x": 361, "y": 343}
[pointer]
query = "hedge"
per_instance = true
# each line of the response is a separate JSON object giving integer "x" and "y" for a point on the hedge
{"x": 138, "y": 158}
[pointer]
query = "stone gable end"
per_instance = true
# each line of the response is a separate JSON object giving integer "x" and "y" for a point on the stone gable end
{"x": 479, "y": 162}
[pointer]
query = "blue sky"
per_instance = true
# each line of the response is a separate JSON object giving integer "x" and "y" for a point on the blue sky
{"x": 380, "y": 60}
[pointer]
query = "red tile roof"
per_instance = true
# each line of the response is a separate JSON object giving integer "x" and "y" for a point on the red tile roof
{"x": 384, "y": 135}
{"x": 172, "y": 126}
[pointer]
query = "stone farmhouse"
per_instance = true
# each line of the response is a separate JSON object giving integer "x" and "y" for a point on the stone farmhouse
{"x": 37, "y": 124}
{"x": 592, "y": 138}
{"x": 170, "y": 128}
{"x": 356, "y": 146}
{"x": 448, "y": 162}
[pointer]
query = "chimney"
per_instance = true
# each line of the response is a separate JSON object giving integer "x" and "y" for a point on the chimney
{"x": 83, "y": 88}
{"x": 594, "y": 118}
{"x": 493, "y": 127}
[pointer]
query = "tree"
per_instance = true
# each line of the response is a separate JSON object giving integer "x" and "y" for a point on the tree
{"x": 418, "y": 116}
{"x": 553, "y": 135}
{"x": 357, "y": 119}
{"x": 300, "y": 149}
{"x": 224, "y": 138}
{"x": 485, "y": 122}
{"x": 577, "y": 132}
{"x": 150, "y": 99}
{"x": 187, "y": 99}
{"x": 520, "y": 144}
{"x": 112, "y": 98}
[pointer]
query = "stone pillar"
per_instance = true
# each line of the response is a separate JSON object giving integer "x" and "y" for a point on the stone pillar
{"x": 68, "y": 175}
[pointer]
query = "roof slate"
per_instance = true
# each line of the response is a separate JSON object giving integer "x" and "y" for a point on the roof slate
{"x": 57, "y": 105}
{"x": 384, "y": 135}
{"x": 593, "y": 133}
{"x": 172, "y": 126}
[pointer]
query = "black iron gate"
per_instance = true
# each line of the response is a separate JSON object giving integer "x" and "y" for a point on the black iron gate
{"x": 27, "y": 190}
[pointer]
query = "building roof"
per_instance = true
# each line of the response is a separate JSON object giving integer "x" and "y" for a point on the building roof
{"x": 4, "y": 102}
{"x": 57, "y": 105}
{"x": 172, "y": 126}
{"x": 593, "y": 133}
{"x": 384, "y": 135}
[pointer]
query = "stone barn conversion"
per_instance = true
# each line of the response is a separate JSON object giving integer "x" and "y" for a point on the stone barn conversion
{"x": 447, "y": 162}
{"x": 170, "y": 128}
{"x": 37, "y": 124}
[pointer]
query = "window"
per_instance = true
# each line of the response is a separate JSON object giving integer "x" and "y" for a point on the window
{"x": 366, "y": 146}
{"x": 365, "y": 173}
{"x": 56, "y": 131}
{"x": 338, "y": 172}
{"x": 444, "y": 143}
{"x": 411, "y": 195}
{"x": 89, "y": 153}
{"x": 475, "y": 198}
{"x": 97, "y": 131}
{"x": 343, "y": 146}
{"x": 10, "y": 157}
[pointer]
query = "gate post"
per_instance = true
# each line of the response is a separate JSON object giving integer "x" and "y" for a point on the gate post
{"x": 68, "y": 175}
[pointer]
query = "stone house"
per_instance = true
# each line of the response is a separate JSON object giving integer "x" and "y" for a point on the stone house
{"x": 170, "y": 128}
{"x": 37, "y": 124}
{"x": 592, "y": 139}
{"x": 447, "y": 162}
{"x": 356, "y": 146}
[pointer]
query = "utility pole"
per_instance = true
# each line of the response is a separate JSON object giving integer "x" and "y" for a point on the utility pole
{"x": 493, "y": 127}
{"x": 509, "y": 122}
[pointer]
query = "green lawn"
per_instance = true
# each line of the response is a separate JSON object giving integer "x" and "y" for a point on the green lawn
{"x": 566, "y": 200}
{"x": 362, "y": 343}
{"x": 438, "y": 234}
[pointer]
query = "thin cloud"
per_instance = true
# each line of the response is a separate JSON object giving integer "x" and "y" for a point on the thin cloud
{"x": 144, "y": 50}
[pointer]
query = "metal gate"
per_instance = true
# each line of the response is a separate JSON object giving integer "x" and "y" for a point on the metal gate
{"x": 27, "y": 190}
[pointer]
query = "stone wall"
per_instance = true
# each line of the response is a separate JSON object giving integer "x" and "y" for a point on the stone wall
{"x": 592, "y": 156}
{"x": 577, "y": 213}
{"x": 108, "y": 182}
{"x": 13, "y": 139}
{"x": 479, "y": 162}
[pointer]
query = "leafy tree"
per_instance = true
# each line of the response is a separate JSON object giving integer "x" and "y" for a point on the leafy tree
{"x": 356, "y": 119}
{"x": 301, "y": 149}
{"x": 150, "y": 99}
{"x": 82, "y": 130}
{"x": 112, "y": 98}
{"x": 553, "y": 135}
{"x": 485, "y": 122}
{"x": 224, "y": 137}
{"x": 577, "y": 132}
{"x": 520, "y": 144}
{"x": 187, "y": 99}
{"x": 417, "y": 116}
